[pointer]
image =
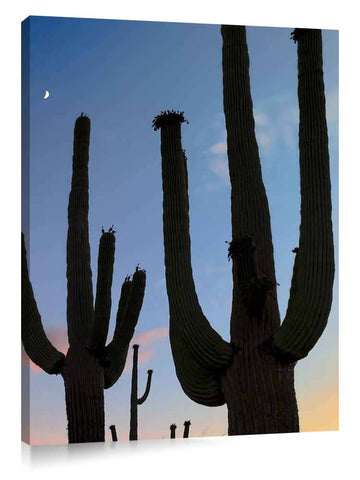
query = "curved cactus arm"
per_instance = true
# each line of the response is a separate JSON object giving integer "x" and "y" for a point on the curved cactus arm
{"x": 34, "y": 339}
{"x": 103, "y": 291}
{"x": 204, "y": 344}
{"x": 250, "y": 215}
{"x": 115, "y": 352}
{"x": 80, "y": 309}
{"x": 142, "y": 399}
{"x": 200, "y": 384}
{"x": 311, "y": 290}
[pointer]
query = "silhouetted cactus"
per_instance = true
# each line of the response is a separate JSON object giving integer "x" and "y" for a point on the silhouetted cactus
{"x": 254, "y": 374}
{"x": 113, "y": 433}
{"x": 89, "y": 366}
{"x": 134, "y": 400}
{"x": 172, "y": 430}
{"x": 187, "y": 424}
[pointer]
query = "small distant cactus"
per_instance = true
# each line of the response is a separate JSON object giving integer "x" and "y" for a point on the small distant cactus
{"x": 172, "y": 430}
{"x": 113, "y": 433}
{"x": 134, "y": 400}
{"x": 89, "y": 366}
{"x": 187, "y": 424}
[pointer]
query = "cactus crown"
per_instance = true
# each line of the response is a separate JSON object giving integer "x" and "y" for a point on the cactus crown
{"x": 167, "y": 117}
{"x": 239, "y": 245}
{"x": 297, "y": 33}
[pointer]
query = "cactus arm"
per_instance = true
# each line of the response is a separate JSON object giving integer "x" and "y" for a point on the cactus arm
{"x": 141, "y": 400}
{"x": 196, "y": 346}
{"x": 115, "y": 352}
{"x": 80, "y": 308}
{"x": 311, "y": 290}
{"x": 200, "y": 384}
{"x": 103, "y": 291}
{"x": 250, "y": 215}
{"x": 36, "y": 344}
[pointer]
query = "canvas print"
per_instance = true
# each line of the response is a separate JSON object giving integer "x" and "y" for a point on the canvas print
{"x": 179, "y": 230}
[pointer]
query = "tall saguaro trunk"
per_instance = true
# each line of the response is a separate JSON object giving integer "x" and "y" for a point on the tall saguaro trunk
{"x": 254, "y": 374}
{"x": 89, "y": 366}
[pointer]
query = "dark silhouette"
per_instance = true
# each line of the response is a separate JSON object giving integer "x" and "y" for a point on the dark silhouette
{"x": 172, "y": 430}
{"x": 134, "y": 400}
{"x": 254, "y": 373}
{"x": 89, "y": 366}
{"x": 187, "y": 424}
{"x": 113, "y": 433}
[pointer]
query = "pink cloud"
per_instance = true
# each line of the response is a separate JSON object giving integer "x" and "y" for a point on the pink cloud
{"x": 25, "y": 360}
{"x": 58, "y": 337}
{"x": 145, "y": 356}
{"x": 146, "y": 341}
{"x": 151, "y": 336}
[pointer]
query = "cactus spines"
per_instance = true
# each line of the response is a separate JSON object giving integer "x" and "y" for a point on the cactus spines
{"x": 254, "y": 373}
{"x": 134, "y": 400}
{"x": 89, "y": 366}
{"x": 113, "y": 433}
{"x": 187, "y": 424}
{"x": 172, "y": 430}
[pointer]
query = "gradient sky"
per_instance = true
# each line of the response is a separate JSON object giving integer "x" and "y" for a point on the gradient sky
{"x": 121, "y": 74}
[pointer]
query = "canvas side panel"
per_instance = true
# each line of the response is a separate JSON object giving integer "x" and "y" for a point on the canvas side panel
{"x": 25, "y": 208}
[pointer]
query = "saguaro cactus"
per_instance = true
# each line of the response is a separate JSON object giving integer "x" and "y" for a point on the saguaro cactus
{"x": 254, "y": 373}
{"x": 113, "y": 433}
{"x": 134, "y": 400}
{"x": 187, "y": 424}
{"x": 89, "y": 366}
{"x": 172, "y": 430}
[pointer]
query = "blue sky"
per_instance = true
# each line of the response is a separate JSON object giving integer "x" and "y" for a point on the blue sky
{"x": 122, "y": 74}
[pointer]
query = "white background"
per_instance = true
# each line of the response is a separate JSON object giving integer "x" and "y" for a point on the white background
{"x": 295, "y": 456}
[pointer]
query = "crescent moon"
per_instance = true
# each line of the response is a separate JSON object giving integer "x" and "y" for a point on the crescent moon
{"x": 47, "y": 94}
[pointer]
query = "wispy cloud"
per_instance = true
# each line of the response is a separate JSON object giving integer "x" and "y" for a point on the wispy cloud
{"x": 219, "y": 166}
{"x": 218, "y": 148}
{"x": 261, "y": 119}
{"x": 276, "y": 123}
{"x": 332, "y": 106}
{"x": 146, "y": 341}
{"x": 151, "y": 336}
